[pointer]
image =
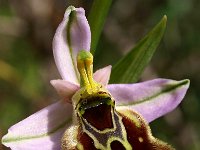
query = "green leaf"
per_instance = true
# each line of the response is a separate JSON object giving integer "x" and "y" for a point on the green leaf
{"x": 96, "y": 18}
{"x": 130, "y": 67}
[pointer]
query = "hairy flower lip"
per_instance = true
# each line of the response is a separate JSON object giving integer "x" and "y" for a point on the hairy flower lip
{"x": 44, "y": 129}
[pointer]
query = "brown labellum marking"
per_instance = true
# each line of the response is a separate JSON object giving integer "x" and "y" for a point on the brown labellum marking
{"x": 140, "y": 138}
{"x": 116, "y": 145}
{"x": 99, "y": 116}
{"x": 134, "y": 132}
{"x": 102, "y": 138}
{"x": 86, "y": 141}
{"x": 100, "y": 123}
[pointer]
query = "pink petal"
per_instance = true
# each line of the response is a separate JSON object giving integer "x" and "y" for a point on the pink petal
{"x": 65, "y": 89}
{"x": 72, "y": 35}
{"x": 42, "y": 130}
{"x": 152, "y": 99}
{"x": 103, "y": 75}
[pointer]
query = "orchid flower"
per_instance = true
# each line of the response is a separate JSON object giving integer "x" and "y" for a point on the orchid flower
{"x": 92, "y": 113}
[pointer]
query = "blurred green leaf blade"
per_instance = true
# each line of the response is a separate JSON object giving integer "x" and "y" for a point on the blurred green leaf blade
{"x": 129, "y": 68}
{"x": 96, "y": 18}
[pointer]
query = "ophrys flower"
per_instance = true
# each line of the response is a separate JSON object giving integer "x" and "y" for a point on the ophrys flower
{"x": 92, "y": 114}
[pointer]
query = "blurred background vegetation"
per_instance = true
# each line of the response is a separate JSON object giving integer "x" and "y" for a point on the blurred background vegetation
{"x": 27, "y": 63}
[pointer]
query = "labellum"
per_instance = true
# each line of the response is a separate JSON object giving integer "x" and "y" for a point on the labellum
{"x": 97, "y": 125}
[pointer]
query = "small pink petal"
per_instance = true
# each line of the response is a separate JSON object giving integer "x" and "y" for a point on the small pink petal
{"x": 65, "y": 89}
{"x": 152, "y": 99}
{"x": 42, "y": 130}
{"x": 103, "y": 75}
{"x": 72, "y": 35}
